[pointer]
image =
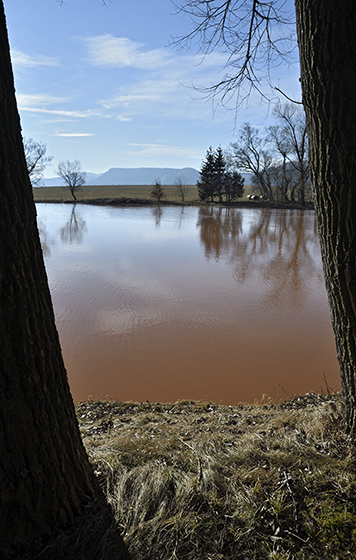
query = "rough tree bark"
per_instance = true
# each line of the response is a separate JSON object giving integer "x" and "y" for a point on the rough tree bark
{"x": 45, "y": 477}
{"x": 327, "y": 46}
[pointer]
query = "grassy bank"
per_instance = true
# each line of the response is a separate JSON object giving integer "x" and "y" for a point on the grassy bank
{"x": 197, "y": 481}
{"x": 140, "y": 194}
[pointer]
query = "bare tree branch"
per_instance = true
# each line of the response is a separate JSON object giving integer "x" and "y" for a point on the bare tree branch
{"x": 289, "y": 98}
{"x": 36, "y": 159}
{"x": 256, "y": 36}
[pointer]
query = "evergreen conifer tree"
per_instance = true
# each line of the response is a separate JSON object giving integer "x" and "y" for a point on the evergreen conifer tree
{"x": 219, "y": 171}
{"x": 157, "y": 192}
{"x": 233, "y": 186}
{"x": 206, "y": 184}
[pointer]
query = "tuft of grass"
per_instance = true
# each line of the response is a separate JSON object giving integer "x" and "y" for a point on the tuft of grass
{"x": 199, "y": 481}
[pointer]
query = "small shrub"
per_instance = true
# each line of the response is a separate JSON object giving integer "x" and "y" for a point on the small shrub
{"x": 158, "y": 192}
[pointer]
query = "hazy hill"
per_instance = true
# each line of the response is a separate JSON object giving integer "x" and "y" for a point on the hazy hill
{"x": 136, "y": 176}
{"x": 145, "y": 176}
{"x": 139, "y": 176}
{"x": 57, "y": 182}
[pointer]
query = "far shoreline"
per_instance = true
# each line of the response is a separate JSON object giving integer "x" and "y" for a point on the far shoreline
{"x": 138, "y": 195}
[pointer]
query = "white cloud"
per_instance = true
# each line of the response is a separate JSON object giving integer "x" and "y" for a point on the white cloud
{"x": 162, "y": 97}
{"x": 163, "y": 150}
{"x": 40, "y": 104}
{"x": 38, "y": 99}
{"x": 74, "y": 114}
{"x": 24, "y": 60}
{"x": 122, "y": 118}
{"x": 120, "y": 52}
{"x": 146, "y": 91}
{"x": 163, "y": 83}
{"x": 73, "y": 134}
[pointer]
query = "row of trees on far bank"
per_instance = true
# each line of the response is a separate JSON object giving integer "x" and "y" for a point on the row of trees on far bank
{"x": 277, "y": 159}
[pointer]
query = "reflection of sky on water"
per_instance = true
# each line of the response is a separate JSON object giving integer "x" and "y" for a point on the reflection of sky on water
{"x": 274, "y": 257}
{"x": 196, "y": 284}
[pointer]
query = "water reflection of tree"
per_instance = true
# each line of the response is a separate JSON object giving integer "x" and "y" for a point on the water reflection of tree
{"x": 45, "y": 238}
{"x": 181, "y": 218}
{"x": 74, "y": 229}
{"x": 219, "y": 230}
{"x": 157, "y": 214}
{"x": 279, "y": 248}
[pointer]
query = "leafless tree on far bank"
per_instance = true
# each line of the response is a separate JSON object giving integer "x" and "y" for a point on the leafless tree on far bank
{"x": 72, "y": 175}
{"x": 181, "y": 187}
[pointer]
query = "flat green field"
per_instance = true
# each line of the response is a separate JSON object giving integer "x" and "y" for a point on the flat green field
{"x": 62, "y": 194}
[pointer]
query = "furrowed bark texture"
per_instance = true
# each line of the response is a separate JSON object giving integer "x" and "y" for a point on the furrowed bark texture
{"x": 327, "y": 44}
{"x": 45, "y": 476}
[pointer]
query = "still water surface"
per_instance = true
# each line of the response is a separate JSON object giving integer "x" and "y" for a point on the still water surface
{"x": 169, "y": 303}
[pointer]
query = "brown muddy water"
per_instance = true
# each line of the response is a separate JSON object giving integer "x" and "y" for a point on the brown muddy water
{"x": 171, "y": 303}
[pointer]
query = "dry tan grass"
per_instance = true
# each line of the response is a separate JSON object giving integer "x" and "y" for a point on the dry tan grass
{"x": 199, "y": 481}
{"x": 141, "y": 192}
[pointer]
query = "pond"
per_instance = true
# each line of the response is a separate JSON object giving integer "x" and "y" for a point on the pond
{"x": 170, "y": 303}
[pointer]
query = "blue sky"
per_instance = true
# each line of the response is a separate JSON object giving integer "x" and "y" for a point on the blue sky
{"x": 102, "y": 85}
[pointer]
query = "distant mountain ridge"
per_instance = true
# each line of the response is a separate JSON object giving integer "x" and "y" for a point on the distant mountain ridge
{"x": 145, "y": 176}
{"x": 135, "y": 176}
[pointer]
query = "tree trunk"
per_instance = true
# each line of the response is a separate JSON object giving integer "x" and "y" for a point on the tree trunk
{"x": 45, "y": 477}
{"x": 327, "y": 45}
